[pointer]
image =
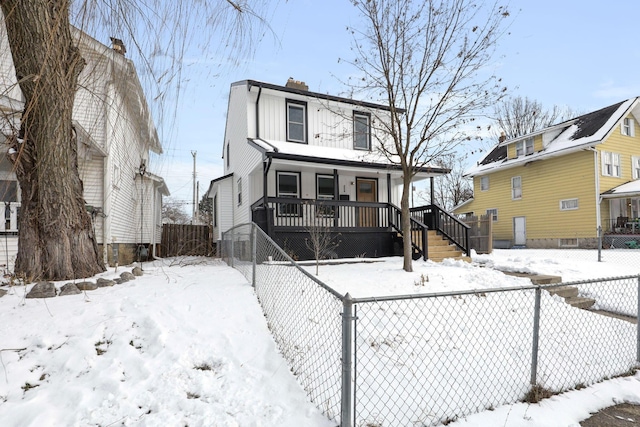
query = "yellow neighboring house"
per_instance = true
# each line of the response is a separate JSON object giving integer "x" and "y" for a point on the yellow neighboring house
{"x": 553, "y": 188}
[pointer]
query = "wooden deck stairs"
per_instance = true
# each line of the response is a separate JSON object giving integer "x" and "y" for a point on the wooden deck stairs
{"x": 438, "y": 248}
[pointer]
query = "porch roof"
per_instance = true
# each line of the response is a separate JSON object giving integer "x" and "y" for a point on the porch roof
{"x": 333, "y": 156}
{"x": 629, "y": 189}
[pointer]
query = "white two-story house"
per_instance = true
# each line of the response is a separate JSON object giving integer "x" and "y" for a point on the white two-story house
{"x": 294, "y": 159}
{"x": 115, "y": 134}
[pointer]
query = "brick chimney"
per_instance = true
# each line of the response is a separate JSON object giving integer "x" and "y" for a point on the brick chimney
{"x": 502, "y": 138}
{"x": 118, "y": 46}
{"x": 296, "y": 84}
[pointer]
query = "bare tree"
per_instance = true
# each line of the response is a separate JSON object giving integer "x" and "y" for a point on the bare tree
{"x": 428, "y": 60}
{"x": 453, "y": 188}
{"x": 322, "y": 240}
{"x": 519, "y": 116}
{"x": 56, "y": 239}
{"x": 173, "y": 212}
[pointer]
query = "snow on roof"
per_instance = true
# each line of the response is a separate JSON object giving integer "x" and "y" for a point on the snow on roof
{"x": 630, "y": 189}
{"x": 580, "y": 133}
{"x": 332, "y": 155}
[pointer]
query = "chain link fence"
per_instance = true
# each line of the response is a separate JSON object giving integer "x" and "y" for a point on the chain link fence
{"x": 428, "y": 359}
{"x": 303, "y": 314}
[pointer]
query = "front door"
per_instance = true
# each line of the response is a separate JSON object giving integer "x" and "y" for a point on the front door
{"x": 367, "y": 191}
{"x": 520, "y": 231}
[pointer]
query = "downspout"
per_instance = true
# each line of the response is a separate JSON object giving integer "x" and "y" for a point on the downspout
{"x": 597, "y": 184}
{"x": 106, "y": 180}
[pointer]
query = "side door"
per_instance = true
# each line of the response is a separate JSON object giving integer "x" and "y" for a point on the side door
{"x": 519, "y": 231}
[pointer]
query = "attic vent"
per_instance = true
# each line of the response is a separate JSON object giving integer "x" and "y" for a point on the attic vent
{"x": 296, "y": 84}
{"x": 118, "y": 46}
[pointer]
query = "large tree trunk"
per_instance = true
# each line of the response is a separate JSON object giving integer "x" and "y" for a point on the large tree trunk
{"x": 56, "y": 238}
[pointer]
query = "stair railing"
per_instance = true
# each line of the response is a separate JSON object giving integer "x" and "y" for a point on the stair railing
{"x": 419, "y": 244}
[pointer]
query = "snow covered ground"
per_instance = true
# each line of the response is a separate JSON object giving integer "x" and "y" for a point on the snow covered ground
{"x": 187, "y": 344}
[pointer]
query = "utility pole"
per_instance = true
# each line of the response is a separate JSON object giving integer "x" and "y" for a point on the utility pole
{"x": 193, "y": 210}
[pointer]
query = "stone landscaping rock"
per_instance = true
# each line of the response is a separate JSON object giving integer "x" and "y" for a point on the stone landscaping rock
{"x": 126, "y": 276}
{"x": 102, "y": 283}
{"x": 42, "y": 290}
{"x": 69, "y": 289}
{"x": 117, "y": 280}
{"x": 137, "y": 271}
{"x": 86, "y": 286}
{"x": 2, "y": 293}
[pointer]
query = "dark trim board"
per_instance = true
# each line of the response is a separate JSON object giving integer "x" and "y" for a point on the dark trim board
{"x": 367, "y": 244}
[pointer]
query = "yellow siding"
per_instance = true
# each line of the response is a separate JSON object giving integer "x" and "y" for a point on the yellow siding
{"x": 627, "y": 147}
{"x": 537, "y": 143}
{"x": 544, "y": 184}
{"x": 511, "y": 151}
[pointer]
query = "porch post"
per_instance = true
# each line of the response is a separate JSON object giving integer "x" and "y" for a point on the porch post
{"x": 336, "y": 191}
{"x": 431, "y": 192}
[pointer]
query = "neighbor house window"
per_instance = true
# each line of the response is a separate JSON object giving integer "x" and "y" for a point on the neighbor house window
{"x": 288, "y": 184}
{"x": 239, "y": 191}
{"x": 610, "y": 164}
{"x": 8, "y": 191}
{"x": 228, "y": 158}
{"x": 296, "y": 122}
{"x": 325, "y": 190}
{"x": 516, "y": 187}
{"x": 484, "y": 183}
{"x": 361, "y": 131}
{"x": 493, "y": 213}
{"x": 628, "y": 127}
{"x": 524, "y": 147}
{"x": 568, "y": 204}
{"x": 635, "y": 166}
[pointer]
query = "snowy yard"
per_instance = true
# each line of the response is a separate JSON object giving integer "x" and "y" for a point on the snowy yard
{"x": 189, "y": 345}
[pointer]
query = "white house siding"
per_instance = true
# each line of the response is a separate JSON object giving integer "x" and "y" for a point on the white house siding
{"x": 8, "y": 83}
{"x": 243, "y": 158}
{"x": 92, "y": 176}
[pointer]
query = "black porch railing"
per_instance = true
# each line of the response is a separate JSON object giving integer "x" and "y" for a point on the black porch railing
{"x": 448, "y": 225}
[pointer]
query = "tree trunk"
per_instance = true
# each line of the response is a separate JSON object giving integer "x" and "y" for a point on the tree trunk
{"x": 56, "y": 238}
{"x": 407, "y": 249}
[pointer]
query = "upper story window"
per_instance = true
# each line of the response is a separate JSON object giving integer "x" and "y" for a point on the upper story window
{"x": 524, "y": 148}
{"x": 635, "y": 166}
{"x": 628, "y": 127}
{"x": 484, "y": 183}
{"x": 610, "y": 164}
{"x": 361, "y": 131}
{"x": 228, "y": 158}
{"x": 516, "y": 187}
{"x": 296, "y": 121}
{"x": 239, "y": 191}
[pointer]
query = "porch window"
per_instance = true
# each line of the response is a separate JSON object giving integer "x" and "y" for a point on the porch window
{"x": 610, "y": 164}
{"x": 635, "y": 166}
{"x": 296, "y": 122}
{"x": 288, "y": 186}
{"x": 493, "y": 213}
{"x": 516, "y": 188}
{"x": 325, "y": 190}
{"x": 628, "y": 127}
{"x": 361, "y": 131}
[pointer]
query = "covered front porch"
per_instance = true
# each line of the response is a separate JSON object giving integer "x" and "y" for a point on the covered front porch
{"x": 621, "y": 227}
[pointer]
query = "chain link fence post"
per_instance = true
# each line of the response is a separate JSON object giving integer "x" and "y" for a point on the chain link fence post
{"x": 536, "y": 336}
{"x": 254, "y": 254}
{"x": 346, "y": 413}
{"x": 599, "y": 243}
{"x": 232, "y": 255}
{"x": 638, "y": 325}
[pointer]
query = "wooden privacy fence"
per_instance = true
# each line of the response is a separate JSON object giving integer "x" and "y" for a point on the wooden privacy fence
{"x": 480, "y": 234}
{"x": 185, "y": 239}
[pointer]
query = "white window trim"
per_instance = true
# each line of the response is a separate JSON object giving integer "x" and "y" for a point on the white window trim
{"x": 513, "y": 188}
{"x": 612, "y": 160}
{"x": 628, "y": 127}
{"x": 565, "y": 201}
{"x": 635, "y": 166}
{"x": 483, "y": 187}
{"x": 494, "y": 216}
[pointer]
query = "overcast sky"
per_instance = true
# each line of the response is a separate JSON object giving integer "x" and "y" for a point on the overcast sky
{"x": 563, "y": 52}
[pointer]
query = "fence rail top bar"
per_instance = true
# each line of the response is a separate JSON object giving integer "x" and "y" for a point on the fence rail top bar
{"x": 485, "y": 291}
{"x": 289, "y": 259}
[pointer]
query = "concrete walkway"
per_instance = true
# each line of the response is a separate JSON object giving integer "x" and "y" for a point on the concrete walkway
{"x": 623, "y": 415}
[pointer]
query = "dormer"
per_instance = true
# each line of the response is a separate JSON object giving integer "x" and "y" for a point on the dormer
{"x": 524, "y": 147}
